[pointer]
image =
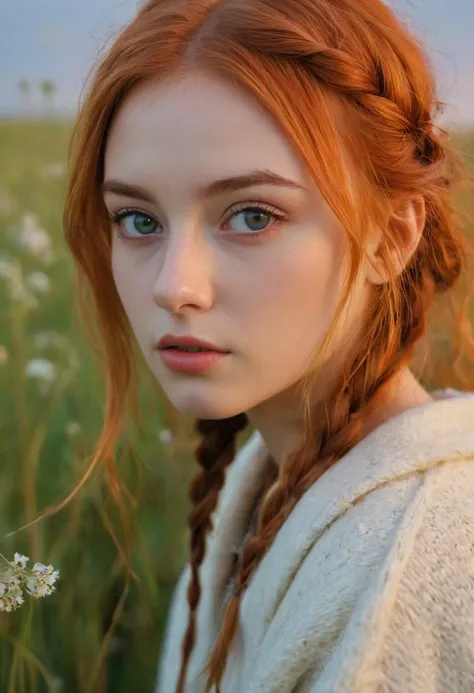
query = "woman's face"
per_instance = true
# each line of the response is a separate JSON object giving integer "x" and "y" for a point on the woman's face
{"x": 228, "y": 240}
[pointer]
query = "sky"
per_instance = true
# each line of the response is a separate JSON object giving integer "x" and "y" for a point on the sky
{"x": 62, "y": 39}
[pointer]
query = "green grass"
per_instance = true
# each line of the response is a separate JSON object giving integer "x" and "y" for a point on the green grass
{"x": 47, "y": 435}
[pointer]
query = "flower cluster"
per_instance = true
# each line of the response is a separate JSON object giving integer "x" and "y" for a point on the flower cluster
{"x": 16, "y": 577}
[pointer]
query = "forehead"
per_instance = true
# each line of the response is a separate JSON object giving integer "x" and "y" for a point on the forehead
{"x": 200, "y": 123}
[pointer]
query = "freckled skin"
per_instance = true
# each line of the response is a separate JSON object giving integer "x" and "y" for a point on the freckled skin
{"x": 268, "y": 299}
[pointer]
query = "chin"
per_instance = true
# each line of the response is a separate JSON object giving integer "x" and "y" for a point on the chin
{"x": 201, "y": 407}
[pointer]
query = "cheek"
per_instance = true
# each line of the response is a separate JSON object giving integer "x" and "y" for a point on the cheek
{"x": 132, "y": 287}
{"x": 302, "y": 287}
{"x": 306, "y": 299}
{"x": 121, "y": 275}
{"x": 292, "y": 301}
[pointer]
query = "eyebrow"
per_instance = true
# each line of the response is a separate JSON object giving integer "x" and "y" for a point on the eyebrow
{"x": 218, "y": 187}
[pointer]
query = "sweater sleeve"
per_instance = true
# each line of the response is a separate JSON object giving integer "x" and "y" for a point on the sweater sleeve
{"x": 411, "y": 628}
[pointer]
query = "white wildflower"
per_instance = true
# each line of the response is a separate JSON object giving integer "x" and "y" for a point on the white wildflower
{"x": 32, "y": 237}
{"x": 55, "y": 169}
{"x": 165, "y": 436}
{"x": 73, "y": 428}
{"x": 3, "y": 355}
{"x": 43, "y": 370}
{"x": 21, "y": 295}
{"x": 20, "y": 560}
{"x": 11, "y": 599}
{"x": 50, "y": 338}
{"x": 11, "y": 271}
{"x": 39, "y": 582}
{"x": 67, "y": 356}
{"x": 39, "y": 282}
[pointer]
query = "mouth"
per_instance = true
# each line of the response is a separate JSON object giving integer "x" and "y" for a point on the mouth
{"x": 187, "y": 343}
{"x": 191, "y": 359}
{"x": 192, "y": 350}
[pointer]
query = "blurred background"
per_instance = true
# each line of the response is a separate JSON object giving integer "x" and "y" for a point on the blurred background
{"x": 91, "y": 635}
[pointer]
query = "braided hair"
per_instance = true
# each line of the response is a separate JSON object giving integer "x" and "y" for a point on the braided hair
{"x": 214, "y": 454}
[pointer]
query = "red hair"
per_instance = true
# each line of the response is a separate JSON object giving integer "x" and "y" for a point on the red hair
{"x": 355, "y": 96}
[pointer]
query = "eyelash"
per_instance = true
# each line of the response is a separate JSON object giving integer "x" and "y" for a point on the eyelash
{"x": 117, "y": 217}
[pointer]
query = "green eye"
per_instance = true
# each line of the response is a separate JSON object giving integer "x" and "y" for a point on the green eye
{"x": 134, "y": 224}
{"x": 256, "y": 219}
{"x": 252, "y": 219}
{"x": 138, "y": 222}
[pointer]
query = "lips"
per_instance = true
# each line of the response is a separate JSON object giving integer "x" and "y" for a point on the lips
{"x": 191, "y": 362}
{"x": 190, "y": 350}
{"x": 169, "y": 341}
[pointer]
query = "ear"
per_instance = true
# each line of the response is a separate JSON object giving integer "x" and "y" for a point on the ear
{"x": 404, "y": 231}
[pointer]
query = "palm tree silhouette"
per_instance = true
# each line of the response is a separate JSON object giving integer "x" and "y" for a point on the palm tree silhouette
{"x": 24, "y": 87}
{"x": 48, "y": 90}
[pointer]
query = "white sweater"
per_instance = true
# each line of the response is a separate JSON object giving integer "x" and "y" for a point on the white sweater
{"x": 369, "y": 584}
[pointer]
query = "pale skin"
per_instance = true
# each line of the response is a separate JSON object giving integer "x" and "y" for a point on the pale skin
{"x": 206, "y": 267}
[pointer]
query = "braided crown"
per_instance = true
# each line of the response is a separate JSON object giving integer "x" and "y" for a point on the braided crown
{"x": 368, "y": 87}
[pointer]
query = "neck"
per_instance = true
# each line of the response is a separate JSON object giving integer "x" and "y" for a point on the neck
{"x": 280, "y": 420}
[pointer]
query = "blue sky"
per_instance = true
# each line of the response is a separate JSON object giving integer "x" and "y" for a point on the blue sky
{"x": 61, "y": 39}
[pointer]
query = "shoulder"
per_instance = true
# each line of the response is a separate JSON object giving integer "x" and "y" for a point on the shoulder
{"x": 414, "y": 631}
{"x": 386, "y": 593}
{"x": 406, "y": 526}
{"x": 437, "y": 548}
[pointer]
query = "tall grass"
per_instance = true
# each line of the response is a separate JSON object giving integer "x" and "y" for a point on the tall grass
{"x": 51, "y": 408}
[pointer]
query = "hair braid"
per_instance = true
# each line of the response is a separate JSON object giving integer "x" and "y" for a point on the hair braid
{"x": 370, "y": 88}
{"x": 366, "y": 81}
{"x": 214, "y": 454}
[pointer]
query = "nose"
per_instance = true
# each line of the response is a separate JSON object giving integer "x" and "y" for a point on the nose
{"x": 184, "y": 278}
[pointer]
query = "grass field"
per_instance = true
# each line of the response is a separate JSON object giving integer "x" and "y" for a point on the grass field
{"x": 51, "y": 412}
{"x": 51, "y": 408}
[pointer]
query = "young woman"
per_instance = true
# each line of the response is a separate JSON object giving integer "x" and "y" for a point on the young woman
{"x": 263, "y": 179}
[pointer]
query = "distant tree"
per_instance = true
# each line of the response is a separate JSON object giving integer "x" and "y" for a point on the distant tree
{"x": 48, "y": 90}
{"x": 24, "y": 87}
